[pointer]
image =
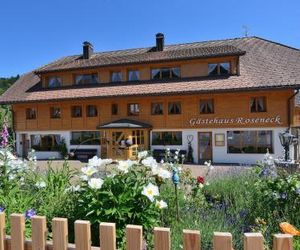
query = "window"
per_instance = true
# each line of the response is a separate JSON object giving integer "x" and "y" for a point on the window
{"x": 258, "y": 104}
{"x": 174, "y": 108}
{"x": 157, "y": 108}
{"x": 85, "y": 138}
{"x": 133, "y": 75}
{"x": 207, "y": 106}
{"x": 45, "y": 142}
{"x": 219, "y": 68}
{"x": 247, "y": 142}
{"x": 116, "y": 76}
{"x": 165, "y": 73}
{"x": 133, "y": 109}
{"x": 76, "y": 111}
{"x": 55, "y": 112}
{"x": 30, "y": 113}
{"x": 114, "y": 109}
{"x": 167, "y": 138}
{"x": 86, "y": 79}
{"x": 54, "y": 81}
{"x": 91, "y": 111}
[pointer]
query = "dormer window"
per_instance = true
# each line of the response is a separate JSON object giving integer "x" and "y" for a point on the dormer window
{"x": 165, "y": 73}
{"x": 215, "y": 69}
{"x": 133, "y": 75}
{"x": 54, "y": 82}
{"x": 116, "y": 76}
{"x": 86, "y": 79}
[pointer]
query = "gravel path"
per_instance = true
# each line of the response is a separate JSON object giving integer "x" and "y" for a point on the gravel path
{"x": 197, "y": 170}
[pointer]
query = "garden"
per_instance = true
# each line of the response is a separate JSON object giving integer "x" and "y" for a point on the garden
{"x": 145, "y": 192}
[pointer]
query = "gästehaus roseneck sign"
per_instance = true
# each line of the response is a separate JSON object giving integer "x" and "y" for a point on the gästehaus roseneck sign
{"x": 274, "y": 120}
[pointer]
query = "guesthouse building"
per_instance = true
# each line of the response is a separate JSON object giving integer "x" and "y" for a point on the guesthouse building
{"x": 222, "y": 100}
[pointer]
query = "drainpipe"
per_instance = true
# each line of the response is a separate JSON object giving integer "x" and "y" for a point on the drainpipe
{"x": 289, "y": 107}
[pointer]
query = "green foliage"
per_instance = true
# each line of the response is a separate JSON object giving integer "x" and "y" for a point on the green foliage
{"x": 120, "y": 200}
{"x": 5, "y": 83}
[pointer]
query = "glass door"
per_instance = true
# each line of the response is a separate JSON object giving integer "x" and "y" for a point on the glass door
{"x": 204, "y": 146}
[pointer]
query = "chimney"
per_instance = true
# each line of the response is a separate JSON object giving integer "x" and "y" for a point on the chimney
{"x": 87, "y": 50}
{"x": 160, "y": 40}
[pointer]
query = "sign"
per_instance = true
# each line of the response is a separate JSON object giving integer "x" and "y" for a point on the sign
{"x": 276, "y": 120}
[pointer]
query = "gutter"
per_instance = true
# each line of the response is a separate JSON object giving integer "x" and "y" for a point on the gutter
{"x": 289, "y": 107}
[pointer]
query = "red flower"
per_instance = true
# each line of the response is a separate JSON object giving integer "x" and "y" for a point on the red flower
{"x": 200, "y": 179}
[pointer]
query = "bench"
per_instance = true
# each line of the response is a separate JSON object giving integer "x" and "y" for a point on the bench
{"x": 84, "y": 155}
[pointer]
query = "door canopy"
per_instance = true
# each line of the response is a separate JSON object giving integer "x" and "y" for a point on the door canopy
{"x": 124, "y": 123}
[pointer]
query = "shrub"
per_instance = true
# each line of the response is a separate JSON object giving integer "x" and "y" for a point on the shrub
{"x": 128, "y": 194}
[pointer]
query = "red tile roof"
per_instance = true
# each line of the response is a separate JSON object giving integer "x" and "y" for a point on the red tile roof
{"x": 266, "y": 65}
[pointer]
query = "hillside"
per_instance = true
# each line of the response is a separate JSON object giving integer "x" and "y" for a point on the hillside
{"x": 5, "y": 83}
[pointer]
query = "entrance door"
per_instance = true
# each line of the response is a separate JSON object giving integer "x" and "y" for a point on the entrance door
{"x": 123, "y": 144}
{"x": 25, "y": 145}
{"x": 204, "y": 146}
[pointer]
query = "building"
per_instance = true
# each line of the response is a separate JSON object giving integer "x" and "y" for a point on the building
{"x": 229, "y": 99}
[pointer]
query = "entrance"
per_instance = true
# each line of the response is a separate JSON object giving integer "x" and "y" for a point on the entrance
{"x": 123, "y": 139}
{"x": 25, "y": 145}
{"x": 122, "y": 144}
{"x": 204, "y": 147}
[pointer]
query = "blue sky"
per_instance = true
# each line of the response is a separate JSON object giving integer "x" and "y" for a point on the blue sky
{"x": 35, "y": 32}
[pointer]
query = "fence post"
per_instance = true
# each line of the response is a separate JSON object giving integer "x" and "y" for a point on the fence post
{"x": 17, "y": 231}
{"x": 253, "y": 241}
{"x": 191, "y": 240}
{"x": 283, "y": 242}
{"x": 107, "y": 236}
{"x": 134, "y": 237}
{"x": 162, "y": 238}
{"x": 82, "y": 235}
{"x": 60, "y": 233}
{"x": 222, "y": 241}
{"x": 39, "y": 232}
{"x": 2, "y": 231}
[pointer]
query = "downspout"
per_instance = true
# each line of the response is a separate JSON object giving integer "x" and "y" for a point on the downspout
{"x": 289, "y": 107}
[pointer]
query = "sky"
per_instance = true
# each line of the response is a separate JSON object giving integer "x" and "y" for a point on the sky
{"x": 36, "y": 32}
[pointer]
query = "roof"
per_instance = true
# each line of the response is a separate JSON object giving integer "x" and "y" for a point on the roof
{"x": 146, "y": 55}
{"x": 124, "y": 123}
{"x": 266, "y": 65}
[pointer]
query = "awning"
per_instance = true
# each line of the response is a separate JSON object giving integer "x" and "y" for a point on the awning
{"x": 124, "y": 123}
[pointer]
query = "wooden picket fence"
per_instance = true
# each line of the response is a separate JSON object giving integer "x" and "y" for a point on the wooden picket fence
{"x": 134, "y": 237}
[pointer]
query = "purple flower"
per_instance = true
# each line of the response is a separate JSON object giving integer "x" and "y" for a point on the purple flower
{"x": 283, "y": 195}
{"x": 4, "y": 136}
{"x": 29, "y": 213}
{"x": 2, "y": 209}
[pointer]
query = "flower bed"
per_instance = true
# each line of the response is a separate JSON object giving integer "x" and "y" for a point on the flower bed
{"x": 150, "y": 194}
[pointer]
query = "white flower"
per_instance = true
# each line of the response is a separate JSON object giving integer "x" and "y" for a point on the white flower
{"x": 162, "y": 161}
{"x": 40, "y": 184}
{"x": 149, "y": 161}
{"x": 142, "y": 154}
{"x": 95, "y": 183}
{"x": 98, "y": 162}
{"x": 175, "y": 157}
{"x": 162, "y": 173}
{"x": 89, "y": 171}
{"x": 200, "y": 185}
{"x": 125, "y": 165}
{"x": 161, "y": 204}
{"x": 150, "y": 191}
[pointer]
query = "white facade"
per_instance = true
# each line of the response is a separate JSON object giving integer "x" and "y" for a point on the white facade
{"x": 44, "y": 155}
{"x": 219, "y": 153}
